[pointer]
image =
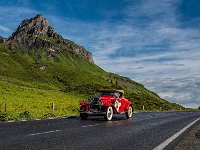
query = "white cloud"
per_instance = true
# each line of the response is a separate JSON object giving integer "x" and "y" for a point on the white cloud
{"x": 11, "y": 17}
{"x": 184, "y": 91}
{"x": 145, "y": 57}
{"x": 182, "y": 53}
{"x": 5, "y": 29}
{"x": 15, "y": 11}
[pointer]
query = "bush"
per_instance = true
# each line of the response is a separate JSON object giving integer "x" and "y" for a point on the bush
{"x": 3, "y": 116}
{"x": 48, "y": 115}
{"x": 25, "y": 115}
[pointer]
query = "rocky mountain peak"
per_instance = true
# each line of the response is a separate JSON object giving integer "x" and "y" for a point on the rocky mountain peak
{"x": 39, "y": 16}
{"x": 36, "y": 34}
{"x": 34, "y": 26}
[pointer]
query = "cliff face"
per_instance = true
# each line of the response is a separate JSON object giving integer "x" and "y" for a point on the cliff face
{"x": 36, "y": 34}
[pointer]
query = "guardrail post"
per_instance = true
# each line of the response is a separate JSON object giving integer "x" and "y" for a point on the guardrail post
{"x": 52, "y": 106}
{"x": 143, "y": 107}
{"x": 5, "y": 107}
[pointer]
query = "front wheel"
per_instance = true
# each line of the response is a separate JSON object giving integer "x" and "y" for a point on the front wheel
{"x": 109, "y": 113}
{"x": 129, "y": 113}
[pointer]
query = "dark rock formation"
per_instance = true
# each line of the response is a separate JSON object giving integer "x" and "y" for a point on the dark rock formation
{"x": 34, "y": 26}
{"x": 2, "y": 39}
{"x": 36, "y": 33}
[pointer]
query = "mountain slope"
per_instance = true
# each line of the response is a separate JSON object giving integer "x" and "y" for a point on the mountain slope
{"x": 38, "y": 67}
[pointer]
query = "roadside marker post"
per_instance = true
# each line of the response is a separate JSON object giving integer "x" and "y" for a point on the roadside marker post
{"x": 5, "y": 107}
{"x": 52, "y": 106}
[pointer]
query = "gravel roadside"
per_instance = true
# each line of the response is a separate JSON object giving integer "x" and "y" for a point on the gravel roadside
{"x": 190, "y": 142}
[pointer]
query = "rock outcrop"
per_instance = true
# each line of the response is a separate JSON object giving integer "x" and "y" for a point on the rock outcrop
{"x": 2, "y": 39}
{"x": 36, "y": 34}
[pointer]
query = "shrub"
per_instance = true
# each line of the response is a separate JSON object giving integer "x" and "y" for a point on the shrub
{"x": 25, "y": 115}
{"x": 3, "y": 116}
{"x": 48, "y": 115}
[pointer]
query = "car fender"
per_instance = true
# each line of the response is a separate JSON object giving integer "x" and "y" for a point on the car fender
{"x": 83, "y": 103}
{"x": 110, "y": 104}
{"x": 128, "y": 103}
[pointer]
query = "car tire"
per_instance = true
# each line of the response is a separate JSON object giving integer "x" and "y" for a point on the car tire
{"x": 109, "y": 113}
{"x": 129, "y": 113}
{"x": 83, "y": 116}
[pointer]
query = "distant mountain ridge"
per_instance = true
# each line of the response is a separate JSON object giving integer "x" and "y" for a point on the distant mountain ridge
{"x": 36, "y": 33}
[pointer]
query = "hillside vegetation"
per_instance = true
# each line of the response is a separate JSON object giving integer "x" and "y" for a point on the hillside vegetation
{"x": 31, "y": 80}
{"x": 26, "y": 87}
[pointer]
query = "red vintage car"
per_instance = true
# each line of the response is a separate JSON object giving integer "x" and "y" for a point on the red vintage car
{"x": 107, "y": 103}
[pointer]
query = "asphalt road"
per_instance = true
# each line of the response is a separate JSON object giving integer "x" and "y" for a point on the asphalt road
{"x": 144, "y": 131}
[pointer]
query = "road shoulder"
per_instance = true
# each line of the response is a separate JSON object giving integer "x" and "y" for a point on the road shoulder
{"x": 190, "y": 142}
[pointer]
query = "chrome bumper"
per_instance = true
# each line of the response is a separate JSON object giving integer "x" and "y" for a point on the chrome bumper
{"x": 93, "y": 112}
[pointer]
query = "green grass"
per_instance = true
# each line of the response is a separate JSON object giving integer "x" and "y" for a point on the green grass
{"x": 38, "y": 102}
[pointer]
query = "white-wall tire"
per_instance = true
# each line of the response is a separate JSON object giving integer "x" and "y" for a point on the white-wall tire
{"x": 109, "y": 113}
{"x": 129, "y": 113}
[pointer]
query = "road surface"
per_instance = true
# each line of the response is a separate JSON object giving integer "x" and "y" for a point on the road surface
{"x": 145, "y": 131}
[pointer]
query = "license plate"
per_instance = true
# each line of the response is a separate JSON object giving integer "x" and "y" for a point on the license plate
{"x": 93, "y": 110}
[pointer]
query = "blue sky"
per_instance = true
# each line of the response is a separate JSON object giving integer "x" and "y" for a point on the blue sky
{"x": 156, "y": 43}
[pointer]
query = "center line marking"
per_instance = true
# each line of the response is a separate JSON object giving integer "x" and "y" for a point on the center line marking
{"x": 44, "y": 132}
{"x": 172, "y": 138}
{"x": 90, "y": 125}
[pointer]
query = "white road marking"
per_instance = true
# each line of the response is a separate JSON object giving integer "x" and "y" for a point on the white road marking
{"x": 50, "y": 118}
{"x": 169, "y": 140}
{"x": 44, "y": 132}
{"x": 90, "y": 125}
{"x": 11, "y": 121}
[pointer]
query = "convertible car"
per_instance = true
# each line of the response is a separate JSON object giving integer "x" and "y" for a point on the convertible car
{"x": 107, "y": 103}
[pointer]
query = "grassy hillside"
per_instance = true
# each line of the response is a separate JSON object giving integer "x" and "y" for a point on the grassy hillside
{"x": 31, "y": 81}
